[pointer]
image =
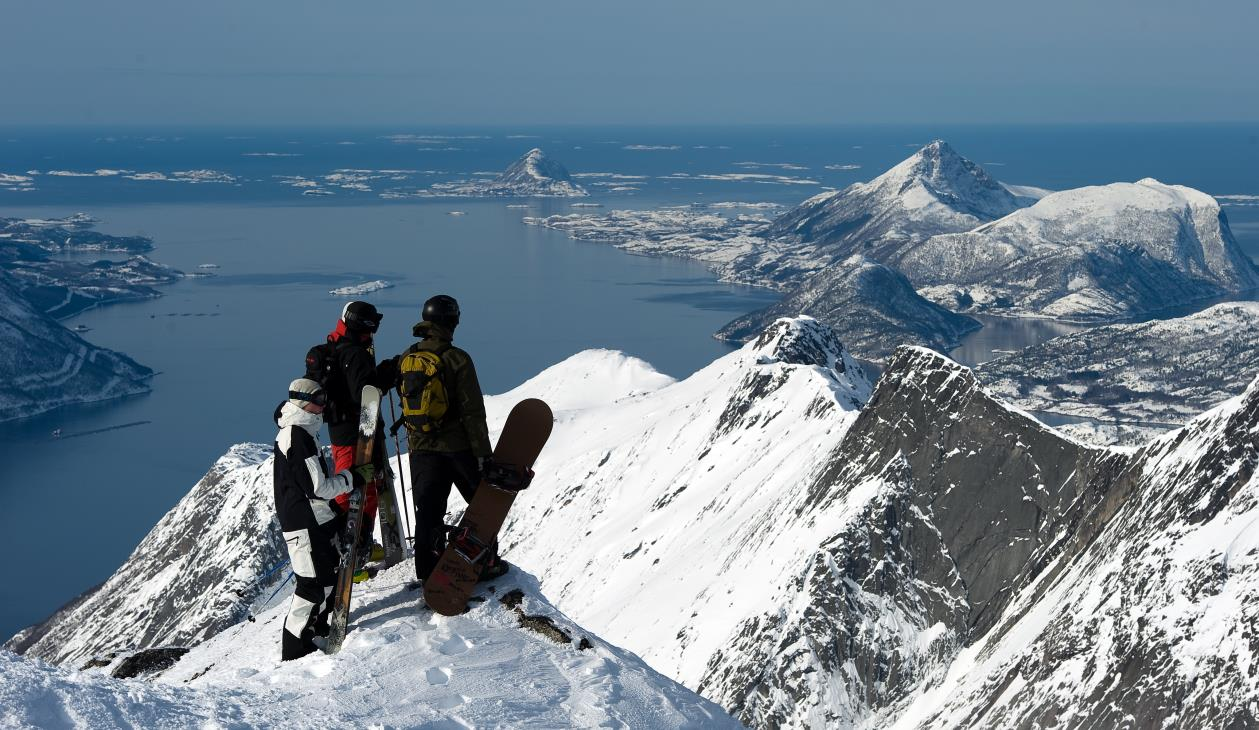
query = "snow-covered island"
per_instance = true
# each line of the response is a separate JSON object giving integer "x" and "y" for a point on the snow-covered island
{"x": 534, "y": 175}
{"x": 358, "y": 290}
{"x": 774, "y": 533}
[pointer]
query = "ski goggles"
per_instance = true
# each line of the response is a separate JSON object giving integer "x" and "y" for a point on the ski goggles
{"x": 319, "y": 398}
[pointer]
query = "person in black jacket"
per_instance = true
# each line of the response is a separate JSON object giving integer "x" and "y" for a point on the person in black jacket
{"x": 304, "y": 494}
{"x": 355, "y": 355}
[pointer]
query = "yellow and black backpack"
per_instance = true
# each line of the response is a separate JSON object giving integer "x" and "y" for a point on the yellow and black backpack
{"x": 425, "y": 395}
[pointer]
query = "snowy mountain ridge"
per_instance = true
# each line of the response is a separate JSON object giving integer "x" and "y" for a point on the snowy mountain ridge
{"x": 809, "y": 550}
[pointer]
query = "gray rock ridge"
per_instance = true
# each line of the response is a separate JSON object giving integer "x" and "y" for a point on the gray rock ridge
{"x": 45, "y": 366}
{"x": 968, "y": 493}
{"x": 179, "y": 586}
{"x": 872, "y": 308}
{"x": 978, "y": 535}
{"x": 1158, "y": 372}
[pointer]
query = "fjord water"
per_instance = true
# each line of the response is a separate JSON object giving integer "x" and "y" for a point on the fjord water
{"x": 226, "y": 346}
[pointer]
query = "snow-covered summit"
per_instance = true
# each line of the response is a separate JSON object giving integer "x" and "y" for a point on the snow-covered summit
{"x": 1098, "y": 252}
{"x": 937, "y": 176}
{"x": 535, "y": 170}
{"x": 935, "y": 190}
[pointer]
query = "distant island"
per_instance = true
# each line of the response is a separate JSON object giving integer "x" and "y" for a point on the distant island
{"x": 534, "y": 175}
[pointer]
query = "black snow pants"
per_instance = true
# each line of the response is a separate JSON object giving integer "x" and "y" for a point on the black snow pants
{"x": 314, "y": 556}
{"x": 432, "y": 474}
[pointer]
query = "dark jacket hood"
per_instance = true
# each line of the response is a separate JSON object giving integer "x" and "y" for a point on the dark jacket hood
{"x": 432, "y": 330}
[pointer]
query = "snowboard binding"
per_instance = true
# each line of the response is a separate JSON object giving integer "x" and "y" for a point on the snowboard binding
{"x": 508, "y": 477}
{"x": 467, "y": 545}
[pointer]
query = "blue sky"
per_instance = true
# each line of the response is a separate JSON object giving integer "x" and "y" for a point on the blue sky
{"x": 495, "y": 62}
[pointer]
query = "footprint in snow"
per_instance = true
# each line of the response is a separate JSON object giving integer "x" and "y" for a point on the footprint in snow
{"x": 455, "y": 645}
{"x": 438, "y": 676}
{"x": 449, "y": 702}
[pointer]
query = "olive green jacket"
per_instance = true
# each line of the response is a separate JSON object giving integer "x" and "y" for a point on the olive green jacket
{"x": 463, "y": 428}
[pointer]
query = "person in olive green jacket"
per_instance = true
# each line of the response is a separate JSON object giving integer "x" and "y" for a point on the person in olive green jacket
{"x": 458, "y": 451}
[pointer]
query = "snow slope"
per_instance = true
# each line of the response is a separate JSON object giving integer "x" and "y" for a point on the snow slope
{"x": 1146, "y": 615}
{"x": 401, "y": 666}
{"x": 1100, "y": 252}
{"x": 666, "y": 518}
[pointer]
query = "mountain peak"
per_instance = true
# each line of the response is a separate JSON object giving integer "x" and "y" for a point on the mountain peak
{"x": 949, "y": 178}
{"x": 534, "y": 165}
{"x": 800, "y": 341}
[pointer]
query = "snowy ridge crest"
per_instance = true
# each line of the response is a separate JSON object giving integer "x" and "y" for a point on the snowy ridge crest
{"x": 800, "y": 341}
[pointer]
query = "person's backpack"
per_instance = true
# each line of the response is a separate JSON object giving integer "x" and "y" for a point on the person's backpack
{"x": 425, "y": 395}
{"x": 323, "y": 368}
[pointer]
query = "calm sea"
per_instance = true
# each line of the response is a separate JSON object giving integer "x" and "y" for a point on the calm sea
{"x": 226, "y": 346}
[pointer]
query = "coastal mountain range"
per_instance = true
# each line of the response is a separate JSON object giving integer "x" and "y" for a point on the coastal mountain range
{"x": 965, "y": 242}
{"x": 797, "y": 544}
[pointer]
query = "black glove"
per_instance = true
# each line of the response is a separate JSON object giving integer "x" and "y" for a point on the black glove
{"x": 483, "y": 465}
{"x": 363, "y": 474}
{"x": 387, "y": 374}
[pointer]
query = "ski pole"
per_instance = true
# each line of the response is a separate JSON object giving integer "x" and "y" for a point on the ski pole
{"x": 283, "y": 583}
{"x": 260, "y": 580}
{"x": 397, "y": 450}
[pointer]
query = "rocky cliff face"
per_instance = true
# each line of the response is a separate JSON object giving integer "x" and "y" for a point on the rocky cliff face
{"x": 995, "y": 574}
{"x": 180, "y": 584}
{"x": 873, "y": 310}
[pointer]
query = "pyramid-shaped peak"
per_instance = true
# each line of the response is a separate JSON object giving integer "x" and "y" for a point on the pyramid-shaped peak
{"x": 946, "y": 176}
{"x": 536, "y": 165}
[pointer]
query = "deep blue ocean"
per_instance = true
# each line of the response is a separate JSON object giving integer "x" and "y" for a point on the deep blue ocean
{"x": 226, "y": 346}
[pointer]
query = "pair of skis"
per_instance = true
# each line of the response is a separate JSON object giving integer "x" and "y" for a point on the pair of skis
{"x": 447, "y": 590}
{"x": 338, "y": 621}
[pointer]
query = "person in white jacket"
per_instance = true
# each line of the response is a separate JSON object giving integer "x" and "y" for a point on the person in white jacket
{"x": 304, "y": 502}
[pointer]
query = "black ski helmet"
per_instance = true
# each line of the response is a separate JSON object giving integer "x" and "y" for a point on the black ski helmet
{"x": 441, "y": 309}
{"x": 361, "y": 317}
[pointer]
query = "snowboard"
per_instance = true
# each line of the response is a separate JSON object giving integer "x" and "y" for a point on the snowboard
{"x": 369, "y": 414}
{"x": 524, "y": 434}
